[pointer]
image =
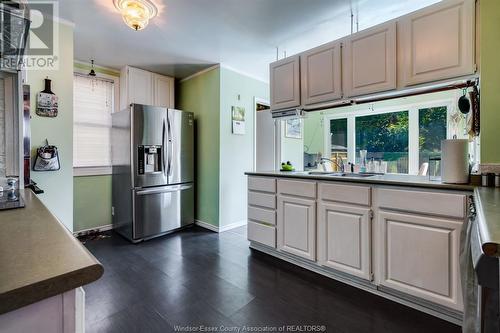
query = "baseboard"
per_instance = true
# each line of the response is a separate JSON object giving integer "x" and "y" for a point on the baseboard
{"x": 218, "y": 229}
{"x": 206, "y": 225}
{"x": 97, "y": 229}
{"x": 233, "y": 225}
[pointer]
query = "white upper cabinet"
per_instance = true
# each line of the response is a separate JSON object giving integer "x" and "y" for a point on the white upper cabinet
{"x": 369, "y": 61}
{"x": 437, "y": 42}
{"x": 320, "y": 74}
{"x": 163, "y": 91}
{"x": 285, "y": 83}
{"x": 144, "y": 87}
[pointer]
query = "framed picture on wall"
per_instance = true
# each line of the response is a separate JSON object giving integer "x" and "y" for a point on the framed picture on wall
{"x": 293, "y": 128}
{"x": 238, "y": 118}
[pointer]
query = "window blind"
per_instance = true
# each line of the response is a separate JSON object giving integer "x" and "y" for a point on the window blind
{"x": 93, "y": 105}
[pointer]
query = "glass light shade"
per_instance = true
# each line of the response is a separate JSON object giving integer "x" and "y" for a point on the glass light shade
{"x": 135, "y": 16}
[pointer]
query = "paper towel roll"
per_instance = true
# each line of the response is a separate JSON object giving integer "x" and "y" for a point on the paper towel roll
{"x": 455, "y": 161}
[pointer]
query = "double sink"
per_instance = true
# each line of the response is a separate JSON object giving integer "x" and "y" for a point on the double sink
{"x": 341, "y": 174}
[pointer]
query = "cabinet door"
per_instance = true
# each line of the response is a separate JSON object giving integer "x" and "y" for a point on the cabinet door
{"x": 369, "y": 61}
{"x": 296, "y": 226}
{"x": 420, "y": 257}
{"x": 344, "y": 238}
{"x": 285, "y": 83}
{"x": 320, "y": 74}
{"x": 139, "y": 86}
{"x": 163, "y": 91}
{"x": 438, "y": 42}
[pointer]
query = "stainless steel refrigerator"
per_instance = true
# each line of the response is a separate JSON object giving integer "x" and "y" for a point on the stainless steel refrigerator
{"x": 153, "y": 167}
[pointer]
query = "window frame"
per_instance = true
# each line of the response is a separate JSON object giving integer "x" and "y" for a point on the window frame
{"x": 413, "y": 127}
{"x": 98, "y": 170}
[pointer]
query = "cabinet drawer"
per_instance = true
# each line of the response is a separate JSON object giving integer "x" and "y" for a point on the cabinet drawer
{"x": 297, "y": 187}
{"x": 261, "y": 233}
{"x": 359, "y": 195}
{"x": 262, "y": 199}
{"x": 262, "y": 215}
{"x": 263, "y": 184}
{"x": 434, "y": 203}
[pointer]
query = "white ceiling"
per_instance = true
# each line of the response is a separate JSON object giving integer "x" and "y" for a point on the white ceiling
{"x": 189, "y": 35}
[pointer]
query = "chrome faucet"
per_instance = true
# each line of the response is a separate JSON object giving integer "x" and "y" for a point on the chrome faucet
{"x": 340, "y": 165}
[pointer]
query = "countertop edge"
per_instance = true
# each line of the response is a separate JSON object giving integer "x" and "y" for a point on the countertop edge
{"x": 59, "y": 283}
{"x": 41, "y": 290}
{"x": 438, "y": 186}
{"x": 490, "y": 247}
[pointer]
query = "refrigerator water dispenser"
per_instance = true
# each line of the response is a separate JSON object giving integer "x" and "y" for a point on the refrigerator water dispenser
{"x": 149, "y": 159}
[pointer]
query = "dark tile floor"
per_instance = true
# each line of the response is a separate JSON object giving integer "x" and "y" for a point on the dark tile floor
{"x": 197, "y": 277}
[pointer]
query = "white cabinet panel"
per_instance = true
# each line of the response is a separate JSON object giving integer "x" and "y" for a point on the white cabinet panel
{"x": 296, "y": 226}
{"x": 139, "y": 86}
{"x": 261, "y": 233}
{"x": 320, "y": 74}
{"x": 437, "y": 42}
{"x": 420, "y": 257}
{"x": 425, "y": 202}
{"x": 262, "y": 199}
{"x": 369, "y": 61}
{"x": 352, "y": 194}
{"x": 285, "y": 83}
{"x": 302, "y": 188}
{"x": 263, "y": 215}
{"x": 262, "y": 184}
{"x": 163, "y": 91}
{"x": 344, "y": 239}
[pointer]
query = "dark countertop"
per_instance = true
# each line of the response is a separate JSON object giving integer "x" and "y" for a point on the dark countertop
{"x": 486, "y": 199}
{"x": 39, "y": 257}
{"x": 388, "y": 179}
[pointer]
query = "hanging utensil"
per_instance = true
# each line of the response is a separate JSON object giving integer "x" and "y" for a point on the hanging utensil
{"x": 464, "y": 103}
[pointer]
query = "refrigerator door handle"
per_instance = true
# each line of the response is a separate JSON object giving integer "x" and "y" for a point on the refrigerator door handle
{"x": 163, "y": 146}
{"x": 164, "y": 189}
{"x": 170, "y": 146}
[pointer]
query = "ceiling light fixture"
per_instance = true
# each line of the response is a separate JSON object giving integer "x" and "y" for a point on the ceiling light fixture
{"x": 136, "y": 13}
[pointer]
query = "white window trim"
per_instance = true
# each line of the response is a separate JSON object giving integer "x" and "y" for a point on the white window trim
{"x": 99, "y": 170}
{"x": 413, "y": 127}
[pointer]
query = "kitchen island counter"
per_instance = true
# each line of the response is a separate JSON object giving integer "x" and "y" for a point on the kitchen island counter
{"x": 39, "y": 257}
{"x": 387, "y": 179}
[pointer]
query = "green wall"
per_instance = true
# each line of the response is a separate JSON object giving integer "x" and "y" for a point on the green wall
{"x": 489, "y": 42}
{"x": 92, "y": 194}
{"x": 222, "y": 157}
{"x": 201, "y": 95}
{"x": 92, "y": 202}
{"x": 236, "y": 151}
{"x": 58, "y": 185}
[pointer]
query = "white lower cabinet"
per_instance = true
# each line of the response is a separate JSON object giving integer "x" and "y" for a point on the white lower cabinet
{"x": 344, "y": 238}
{"x": 296, "y": 226}
{"x": 419, "y": 256}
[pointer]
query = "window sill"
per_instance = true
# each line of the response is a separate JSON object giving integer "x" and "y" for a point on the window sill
{"x": 91, "y": 171}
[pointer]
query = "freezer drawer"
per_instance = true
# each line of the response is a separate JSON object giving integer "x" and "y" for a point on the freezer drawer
{"x": 162, "y": 209}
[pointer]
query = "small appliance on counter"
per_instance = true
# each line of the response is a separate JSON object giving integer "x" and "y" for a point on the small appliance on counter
{"x": 455, "y": 168}
{"x": 10, "y": 197}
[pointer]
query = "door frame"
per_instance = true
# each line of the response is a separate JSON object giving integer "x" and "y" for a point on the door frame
{"x": 260, "y": 100}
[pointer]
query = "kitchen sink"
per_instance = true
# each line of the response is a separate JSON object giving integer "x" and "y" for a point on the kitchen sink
{"x": 341, "y": 174}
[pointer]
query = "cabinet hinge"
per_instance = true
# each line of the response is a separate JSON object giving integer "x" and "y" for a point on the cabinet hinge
{"x": 371, "y": 276}
{"x": 370, "y": 214}
{"x": 475, "y": 68}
